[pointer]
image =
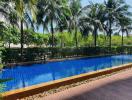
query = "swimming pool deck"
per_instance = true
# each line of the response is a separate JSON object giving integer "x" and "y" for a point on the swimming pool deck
{"x": 115, "y": 87}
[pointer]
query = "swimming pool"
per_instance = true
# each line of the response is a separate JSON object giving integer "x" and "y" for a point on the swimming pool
{"x": 24, "y": 76}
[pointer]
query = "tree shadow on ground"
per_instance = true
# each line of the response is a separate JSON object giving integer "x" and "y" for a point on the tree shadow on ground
{"x": 116, "y": 90}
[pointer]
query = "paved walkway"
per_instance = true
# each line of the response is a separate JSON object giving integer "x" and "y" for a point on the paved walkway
{"x": 115, "y": 87}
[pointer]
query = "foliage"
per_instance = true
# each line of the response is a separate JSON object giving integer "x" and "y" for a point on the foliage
{"x": 11, "y": 35}
{"x": 1, "y": 49}
{"x": 65, "y": 19}
{"x": 66, "y": 39}
{"x": 38, "y": 54}
{"x": 55, "y": 12}
{"x": 2, "y": 86}
{"x": 92, "y": 20}
{"x": 71, "y": 24}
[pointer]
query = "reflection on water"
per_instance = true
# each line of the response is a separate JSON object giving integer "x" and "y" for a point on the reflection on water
{"x": 24, "y": 76}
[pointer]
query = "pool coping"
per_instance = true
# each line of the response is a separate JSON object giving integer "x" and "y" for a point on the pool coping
{"x": 35, "y": 89}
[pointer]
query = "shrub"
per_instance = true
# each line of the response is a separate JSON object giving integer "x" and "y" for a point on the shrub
{"x": 37, "y": 54}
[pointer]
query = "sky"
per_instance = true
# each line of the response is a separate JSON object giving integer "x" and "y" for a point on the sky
{"x": 85, "y": 2}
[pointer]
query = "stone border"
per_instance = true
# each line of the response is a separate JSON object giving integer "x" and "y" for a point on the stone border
{"x": 35, "y": 89}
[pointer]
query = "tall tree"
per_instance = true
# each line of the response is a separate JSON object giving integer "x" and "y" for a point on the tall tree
{"x": 125, "y": 27}
{"x": 40, "y": 15}
{"x": 113, "y": 10}
{"x": 50, "y": 13}
{"x": 75, "y": 6}
{"x": 63, "y": 24}
{"x": 23, "y": 8}
{"x": 94, "y": 19}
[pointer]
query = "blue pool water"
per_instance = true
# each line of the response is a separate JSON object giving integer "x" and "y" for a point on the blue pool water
{"x": 24, "y": 76}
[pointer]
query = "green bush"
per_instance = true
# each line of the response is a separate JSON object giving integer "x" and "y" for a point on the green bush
{"x": 36, "y": 54}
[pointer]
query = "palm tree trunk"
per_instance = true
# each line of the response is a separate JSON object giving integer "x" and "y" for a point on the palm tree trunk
{"x": 110, "y": 39}
{"x": 69, "y": 27}
{"x": 76, "y": 40}
{"x": 110, "y": 32}
{"x": 43, "y": 29}
{"x": 9, "y": 44}
{"x": 110, "y": 42}
{"x": 61, "y": 31}
{"x": 22, "y": 39}
{"x": 61, "y": 42}
{"x": 122, "y": 42}
{"x": 95, "y": 37}
{"x": 105, "y": 35}
{"x": 105, "y": 39}
{"x": 52, "y": 32}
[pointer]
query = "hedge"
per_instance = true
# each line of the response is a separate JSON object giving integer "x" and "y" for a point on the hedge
{"x": 35, "y": 54}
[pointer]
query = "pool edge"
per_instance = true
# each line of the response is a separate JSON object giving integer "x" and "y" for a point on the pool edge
{"x": 35, "y": 89}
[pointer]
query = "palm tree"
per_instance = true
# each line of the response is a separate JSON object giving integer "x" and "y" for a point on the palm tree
{"x": 124, "y": 20}
{"x": 113, "y": 10}
{"x": 23, "y": 8}
{"x": 11, "y": 18}
{"x": 13, "y": 21}
{"x": 94, "y": 19}
{"x": 61, "y": 26}
{"x": 4, "y": 7}
{"x": 125, "y": 27}
{"x": 110, "y": 8}
{"x": 75, "y": 6}
{"x": 50, "y": 13}
{"x": 40, "y": 15}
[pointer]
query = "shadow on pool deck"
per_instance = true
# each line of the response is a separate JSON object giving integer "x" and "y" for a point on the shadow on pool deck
{"x": 115, "y": 87}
